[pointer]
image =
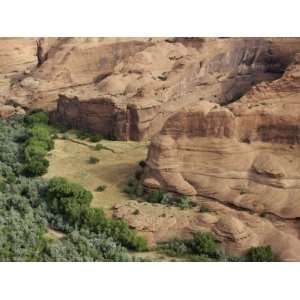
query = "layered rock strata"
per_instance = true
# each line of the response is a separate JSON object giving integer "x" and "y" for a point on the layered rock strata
{"x": 244, "y": 155}
{"x": 148, "y": 79}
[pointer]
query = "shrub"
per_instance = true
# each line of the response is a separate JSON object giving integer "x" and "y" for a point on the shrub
{"x": 183, "y": 202}
{"x": 28, "y": 205}
{"x": 204, "y": 209}
{"x": 174, "y": 248}
{"x": 72, "y": 202}
{"x": 120, "y": 231}
{"x": 134, "y": 189}
{"x": 35, "y": 150}
{"x": 39, "y": 141}
{"x": 201, "y": 247}
{"x": 93, "y": 160}
{"x": 95, "y": 138}
{"x": 36, "y": 167}
{"x": 40, "y": 132}
{"x": 60, "y": 128}
{"x": 39, "y": 117}
{"x": 155, "y": 196}
{"x": 100, "y": 188}
{"x": 94, "y": 219}
{"x": 2, "y": 186}
{"x": 82, "y": 135}
{"x": 99, "y": 147}
{"x": 203, "y": 244}
{"x": 260, "y": 254}
{"x": 68, "y": 199}
{"x": 84, "y": 246}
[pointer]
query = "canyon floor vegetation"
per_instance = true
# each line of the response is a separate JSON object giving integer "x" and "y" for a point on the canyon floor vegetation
{"x": 66, "y": 215}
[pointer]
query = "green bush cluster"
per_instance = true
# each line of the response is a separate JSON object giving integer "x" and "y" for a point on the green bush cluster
{"x": 202, "y": 247}
{"x": 27, "y": 208}
{"x": 92, "y": 137}
{"x": 134, "y": 189}
{"x": 73, "y": 202}
{"x": 260, "y": 254}
{"x": 39, "y": 142}
{"x": 100, "y": 188}
{"x": 36, "y": 117}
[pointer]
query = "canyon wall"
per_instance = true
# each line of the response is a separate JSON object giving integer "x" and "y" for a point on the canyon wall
{"x": 146, "y": 80}
{"x": 243, "y": 156}
{"x": 222, "y": 114}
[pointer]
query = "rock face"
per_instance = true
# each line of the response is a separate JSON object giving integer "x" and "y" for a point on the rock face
{"x": 139, "y": 81}
{"x": 244, "y": 155}
{"x": 223, "y": 116}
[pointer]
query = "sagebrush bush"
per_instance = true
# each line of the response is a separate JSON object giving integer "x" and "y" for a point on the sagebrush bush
{"x": 202, "y": 247}
{"x": 93, "y": 160}
{"x": 260, "y": 254}
{"x": 203, "y": 244}
{"x": 101, "y": 188}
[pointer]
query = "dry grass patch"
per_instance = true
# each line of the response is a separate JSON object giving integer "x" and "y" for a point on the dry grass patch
{"x": 71, "y": 160}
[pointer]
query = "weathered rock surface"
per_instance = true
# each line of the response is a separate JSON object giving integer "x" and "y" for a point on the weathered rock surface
{"x": 244, "y": 155}
{"x": 138, "y": 82}
{"x": 223, "y": 113}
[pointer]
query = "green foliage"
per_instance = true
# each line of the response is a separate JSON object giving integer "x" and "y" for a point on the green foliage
{"x": 99, "y": 147}
{"x": 134, "y": 189}
{"x": 68, "y": 199}
{"x": 72, "y": 202}
{"x": 120, "y": 231}
{"x": 39, "y": 117}
{"x": 22, "y": 239}
{"x": 156, "y": 196}
{"x": 203, "y": 244}
{"x": 39, "y": 141}
{"x": 29, "y": 205}
{"x": 82, "y": 135}
{"x": 175, "y": 248}
{"x": 36, "y": 166}
{"x": 260, "y": 254}
{"x": 40, "y": 133}
{"x": 2, "y": 186}
{"x": 202, "y": 247}
{"x": 93, "y": 160}
{"x": 83, "y": 246}
{"x": 95, "y": 138}
{"x": 101, "y": 188}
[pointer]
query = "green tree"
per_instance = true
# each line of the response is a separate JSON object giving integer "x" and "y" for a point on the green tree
{"x": 203, "y": 244}
{"x": 260, "y": 254}
{"x": 67, "y": 198}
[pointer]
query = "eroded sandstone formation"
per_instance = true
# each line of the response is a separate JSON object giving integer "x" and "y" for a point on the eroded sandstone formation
{"x": 245, "y": 156}
{"x": 140, "y": 82}
{"x": 222, "y": 114}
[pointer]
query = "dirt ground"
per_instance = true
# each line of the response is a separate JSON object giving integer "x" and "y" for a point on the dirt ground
{"x": 71, "y": 160}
